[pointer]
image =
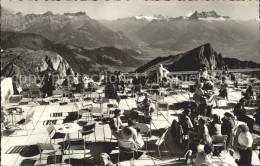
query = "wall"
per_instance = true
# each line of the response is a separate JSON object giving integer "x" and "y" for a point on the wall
{"x": 6, "y": 89}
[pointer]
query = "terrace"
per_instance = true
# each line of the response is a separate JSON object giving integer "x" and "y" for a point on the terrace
{"x": 19, "y": 147}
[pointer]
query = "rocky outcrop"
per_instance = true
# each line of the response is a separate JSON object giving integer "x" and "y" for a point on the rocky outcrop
{"x": 195, "y": 59}
{"x": 28, "y": 62}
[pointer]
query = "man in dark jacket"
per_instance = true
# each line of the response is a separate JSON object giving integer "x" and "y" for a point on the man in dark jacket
{"x": 227, "y": 125}
{"x": 240, "y": 112}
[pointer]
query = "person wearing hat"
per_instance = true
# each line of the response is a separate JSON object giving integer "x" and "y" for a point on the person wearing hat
{"x": 240, "y": 112}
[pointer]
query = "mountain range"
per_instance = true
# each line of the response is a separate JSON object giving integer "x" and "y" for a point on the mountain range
{"x": 232, "y": 37}
{"x": 79, "y": 59}
{"x": 69, "y": 28}
{"x": 127, "y": 43}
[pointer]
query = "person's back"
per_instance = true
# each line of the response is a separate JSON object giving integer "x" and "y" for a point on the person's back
{"x": 202, "y": 157}
{"x": 215, "y": 129}
{"x": 110, "y": 91}
{"x": 239, "y": 110}
{"x": 227, "y": 126}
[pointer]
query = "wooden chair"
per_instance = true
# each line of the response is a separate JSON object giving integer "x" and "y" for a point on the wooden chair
{"x": 219, "y": 141}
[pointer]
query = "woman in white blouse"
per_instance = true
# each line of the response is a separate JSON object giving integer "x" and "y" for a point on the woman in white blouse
{"x": 243, "y": 143}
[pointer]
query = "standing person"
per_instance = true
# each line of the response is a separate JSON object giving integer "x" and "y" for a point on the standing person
{"x": 240, "y": 112}
{"x": 198, "y": 93}
{"x": 48, "y": 85}
{"x": 243, "y": 142}
{"x": 227, "y": 126}
{"x": 76, "y": 82}
{"x": 215, "y": 125}
{"x": 163, "y": 73}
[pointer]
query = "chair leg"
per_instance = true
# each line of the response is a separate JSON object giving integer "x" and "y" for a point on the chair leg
{"x": 95, "y": 136}
{"x": 118, "y": 157}
{"x": 159, "y": 151}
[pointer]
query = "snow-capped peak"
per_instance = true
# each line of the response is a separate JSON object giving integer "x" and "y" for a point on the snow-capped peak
{"x": 211, "y": 15}
{"x": 152, "y": 17}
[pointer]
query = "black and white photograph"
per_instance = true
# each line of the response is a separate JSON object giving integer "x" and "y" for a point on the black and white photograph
{"x": 130, "y": 83}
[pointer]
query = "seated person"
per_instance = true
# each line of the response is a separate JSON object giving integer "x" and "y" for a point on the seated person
{"x": 193, "y": 106}
{"x": 203, "y": 154}
{"x": 204, "y": 109}
{"x": 257, "y": 115}
{"x": 215, "y": 125}
{"x": 222, "y": 95}
{"x": 201, "y": 130}
{"x": 147, "y": 106}
{"x": 240, "y": 112}
{"x": 198, "y": 93}
{"x": 116, "y": 123}
{"x": 204, "y": 74}
{"x": 105, "y": 160}
{"x": 249, "y": 93}
{"x": 185, "y": 122}
{"x": 129, "y": 133}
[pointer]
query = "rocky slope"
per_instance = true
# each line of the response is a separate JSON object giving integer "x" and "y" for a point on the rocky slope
{"x": 70, "y": 28}
{"x": 31, "y": 62}
{"x": 193, "y": 60}
{"x": 80, "y": 59}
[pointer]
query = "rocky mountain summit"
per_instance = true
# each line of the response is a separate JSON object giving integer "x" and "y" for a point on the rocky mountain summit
{"x": 193, "y": 60}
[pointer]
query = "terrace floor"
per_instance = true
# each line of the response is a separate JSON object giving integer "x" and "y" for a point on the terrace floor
{"x": 29, "y": 155}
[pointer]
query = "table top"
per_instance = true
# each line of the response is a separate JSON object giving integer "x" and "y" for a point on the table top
{"x": 143, "y": 127}
{"x": 67, "y": 128}
{"x": 14, "y": 110}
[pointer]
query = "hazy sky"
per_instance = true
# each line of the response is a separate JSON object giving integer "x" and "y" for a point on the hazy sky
{"x": 102, "y": 9}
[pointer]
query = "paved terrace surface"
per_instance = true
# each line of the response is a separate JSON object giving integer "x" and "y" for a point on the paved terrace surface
{"x": 29, "y": 155}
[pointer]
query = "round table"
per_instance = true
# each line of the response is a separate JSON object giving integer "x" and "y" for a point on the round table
{"x": 67, "y": 128}
{"x": 143, "y": 127}
{"x": 14, "y": 111}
